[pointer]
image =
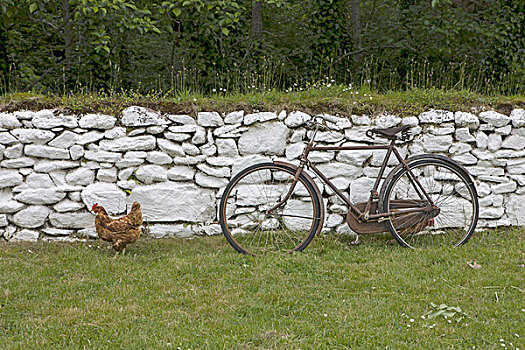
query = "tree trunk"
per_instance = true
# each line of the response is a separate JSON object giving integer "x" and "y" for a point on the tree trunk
{"x": 356, "y": 27}
{"x": 257, "y": 20}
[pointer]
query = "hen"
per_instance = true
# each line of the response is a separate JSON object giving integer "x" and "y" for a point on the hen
{"x": 119, "y": 232}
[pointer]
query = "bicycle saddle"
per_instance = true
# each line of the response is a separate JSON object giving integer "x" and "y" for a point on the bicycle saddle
{"x": 390, "y": 133}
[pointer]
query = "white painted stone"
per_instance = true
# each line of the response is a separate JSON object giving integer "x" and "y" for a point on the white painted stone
{"x": 234, "y": 117}
{"x": 361, "y": 120}
{"x": 494, "y": 118}
{"x": 14, "y": 151}
{"x": 181, "y": 173}
{"x": 213, "y": 171}
{"x": 441, "y": 129}
{"x": 200, "y": 136}
{"x": 296, "y": 118}
{"x": 140, "y": 116}
{"x": 494, "y": 142}
{"x": 9, "y": 121}
{"x": 515, "y": 207}
{"x": 67, "y": 205}
{"x": 386, "y": 121}
{"x": 354, "y": 157}
{"x": 329, "y": 136}
{"x": 436, "y": 143}
{"x": 90, "y": 137}
{"x": 65, "y": 140}
{"x": 149, "y": 174}
{"x": 156, "y": 129}
{"x": 436, "y": 117}
{"x": 175, "y": 231}
{"x": 360, "y": 189}
{"x": 410, "y": 121}
{"x": 173, "y": 202}
{"x": 159, "y": 158}
{"x": 358, "y": 133}
{"x": 181, "y": 119}
{"x": 227, "y": 148}
{"x": 297, "y": 136}
{"x": 40, "y": 196}
{"x": 221, "y": 161}
{"x": 46, "y": 166}
{"x": 483, "y": 189}
{"x": 293, "y": 151}
{"x": 333, "y": 220}
{"x": 491, "y": 212}
{"x": 105, "y": 194}
{"x": 46, "y": 119}
{"x": 282, "y": 115}
{"x": 465, "y": 119}
{"x": 463, "y": 135}
{"x": 341, "y": 123}
{"x": 97, "y": 121}
{"x": 321, "y": 156}
{"x": 460, "y": 148}
{"x": 3, "y": 221}
{"x": 103, "y": 156}
{"x": 244, "y": 162}
{"x": 171, "y": 148}
{"x": 188, "y": 160}
{"x": 188, "y": 128}
{"x": 37, "y": 180}
{"x": 57, "y": 232}
{"x": 7, "y": 205}
{"x": 190, "y": 149}
{"x": 7, "y": 139}
{"x": 76, "y": 152}
{"x": 508, "y": 187}
{"x": 267, "y": 138}
{"x": 209, "y": 150}
{"x": 506, "y": 130}
{"x": 331, "y": 170}
{"x": 41, "y": 151}
{"x": 115, "y": 133}
{"x": 25, "y": 236}
{"x": 465, "y": 158}
{"x": 107, "y": 175}
{"x": 22, "y": 162}
{"x": 209, "y": 119}
{"x": 517, "y": 116}
{"x": 516, "y": 166}
{"x": 178, "y": 137}
{"x": 482, "y": 140}
{"x": 137, "y": 143}
{"x": 514, "y": 142}
{"x": 137, "y": 131}
{"x": 80, "y": 177}
{"x": 31, "y": 217}
{"x": 33, "y": 135}
{"x": 10, "y": 178}
{"x": 259, "y": 117}
{"x": 73, "y": 220}
{"x": 205, "y": 180}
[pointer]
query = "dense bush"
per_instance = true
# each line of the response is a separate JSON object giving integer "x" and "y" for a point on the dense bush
{"x": 241, "y": 45}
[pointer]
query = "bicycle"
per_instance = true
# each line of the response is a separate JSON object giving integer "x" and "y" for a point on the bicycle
{"x": 277, "y": 206}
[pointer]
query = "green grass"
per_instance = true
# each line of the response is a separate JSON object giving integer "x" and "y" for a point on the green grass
{"x": 200, "y": 294}
{"x": 334, "y": 99}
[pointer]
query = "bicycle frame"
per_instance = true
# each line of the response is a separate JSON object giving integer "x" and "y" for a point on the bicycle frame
{"x": 361, "y": 216}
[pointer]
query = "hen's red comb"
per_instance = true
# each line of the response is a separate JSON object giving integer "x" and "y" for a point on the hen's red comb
{"x": 94, "y": 206}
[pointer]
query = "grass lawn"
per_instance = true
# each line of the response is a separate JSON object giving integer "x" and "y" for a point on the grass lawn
{"x": 201, "y": 294}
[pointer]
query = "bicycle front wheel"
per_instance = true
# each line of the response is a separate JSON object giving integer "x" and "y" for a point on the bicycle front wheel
{"x": 451, "y": 190}
{"x": 251, "y": 219}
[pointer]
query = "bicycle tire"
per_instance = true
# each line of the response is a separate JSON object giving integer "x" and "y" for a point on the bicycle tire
{"x": 451, "y": 189}
{"x": 283, "y": 230}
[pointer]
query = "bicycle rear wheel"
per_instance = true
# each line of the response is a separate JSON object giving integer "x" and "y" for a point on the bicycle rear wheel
{"x": 451, "y": 190}
{"x": 248, "y": 221}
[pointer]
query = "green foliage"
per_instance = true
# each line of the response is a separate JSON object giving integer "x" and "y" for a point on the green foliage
{"x": 202, "y": 45}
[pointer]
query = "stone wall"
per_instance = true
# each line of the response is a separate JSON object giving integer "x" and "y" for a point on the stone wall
{"x": 53, "y": 167}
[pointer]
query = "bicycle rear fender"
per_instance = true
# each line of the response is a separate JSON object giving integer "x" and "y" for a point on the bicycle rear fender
{"x": 419, "y": 157}
{"x": 316, "y": 189}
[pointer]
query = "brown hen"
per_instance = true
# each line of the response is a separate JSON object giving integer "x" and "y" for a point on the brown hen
{"x": 119, "y": 232}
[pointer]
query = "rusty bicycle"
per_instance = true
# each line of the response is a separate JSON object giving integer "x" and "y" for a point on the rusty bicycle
{"x": 277, "y": 207}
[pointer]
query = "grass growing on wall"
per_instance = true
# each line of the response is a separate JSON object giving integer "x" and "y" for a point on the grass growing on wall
{"x": 322, "y": 98}
{"x": 200, "y": 294}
